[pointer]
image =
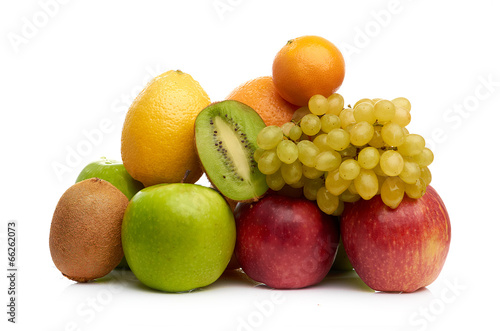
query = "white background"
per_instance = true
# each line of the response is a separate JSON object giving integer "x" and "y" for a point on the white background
{"x": 66, "y": 66}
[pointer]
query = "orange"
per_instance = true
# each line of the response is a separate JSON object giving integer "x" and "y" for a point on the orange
{"x": 158, "y": 134}
{"x": 262, "y": 96}
{"x": 306, "y": 66}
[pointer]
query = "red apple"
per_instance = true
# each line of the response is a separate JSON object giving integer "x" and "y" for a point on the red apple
{"x": 397, "y": 250}
{"x": 285, "y": 242}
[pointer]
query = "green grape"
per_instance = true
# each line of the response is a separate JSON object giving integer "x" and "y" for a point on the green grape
{"x": 347, "y": 196}
{"x": 349, "y": 127}
{"x": 310, "y": 124}
{"x": 335, "y": 104}
{"x": 306, "y": 137}
{"x": 401, "y": 117}
{"x": 384, "y": 111}
{"x": 392, "y": 191}
{"x": 307, "y": 152}
{"x": 258, "y": 153}
{"x": 329, "y": 122}
{"x": 291, "y": 173}
{"x": 361, "y": 133}
{"x": 391, "y": 162}
{"x": 327, "y": 202}
{"x": 299, "y": 113}
{"x": 275, "y": 181}
{"x": 352, "y": 188}
{"x": 299, "y": 184}
{"x": 311, "y": 188}
{"x": 364, "y": 112}
{"x": 366, "y": 184}
{"x": 406, "y": 132}
{"x": 346, "y": 118}
{"x": 318, "y": 104}
{"x": 269, "y": 137}
{"x": 375, "y": 100}
{"x": 338, "y": 139}
{"x": 377, "y": 140}
{"x": 402, "y": 102}
{"x": 269, "y": 162}
{"x": 328, "y": 161}
{"x": 363, "y": 100}
{"x": 368, "y": 157}
{"x": 426, "y": 175}
{"x": 295, "y": 133}
{"x": 378, "y": 170}
{"x": 425, "y": 158}
{"x": 349, "y": 152}
{"x": 410, "y": 172}
{"x": 381, "y": 180}
{"x": 416, "y": 190}
{"x": 349, "y": 169}
{"x": 321, "y": 142}
{"x": 392, "y": 134}
{"x": 285, "y": 127}
{"x": 340, "y": 209}
{"x": 287, "y": 151}
{"x": 311, "y": 172}
{"x": 412, "y": 145}
{"x": 336, "y": 184}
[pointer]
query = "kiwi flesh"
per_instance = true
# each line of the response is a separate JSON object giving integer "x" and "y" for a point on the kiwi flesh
{"x": 85, "y": 233}
{"x": 225, "y": 135}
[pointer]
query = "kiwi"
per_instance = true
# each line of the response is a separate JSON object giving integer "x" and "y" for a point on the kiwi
{"x": 225, "y": 135}
{"x": 85, "y": 234}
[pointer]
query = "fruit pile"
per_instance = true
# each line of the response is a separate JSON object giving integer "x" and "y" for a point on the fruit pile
{"x": 300, "y": 182}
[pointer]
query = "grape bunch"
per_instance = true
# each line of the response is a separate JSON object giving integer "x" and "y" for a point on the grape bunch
{"x": 338, "y": 154}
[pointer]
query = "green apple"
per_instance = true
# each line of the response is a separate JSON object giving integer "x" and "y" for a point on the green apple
{"x": 178, "y": 237}
{"x": 113, "y": 172}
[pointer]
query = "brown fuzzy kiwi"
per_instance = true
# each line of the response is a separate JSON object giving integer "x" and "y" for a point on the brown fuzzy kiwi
{"x": 85, "y": 234}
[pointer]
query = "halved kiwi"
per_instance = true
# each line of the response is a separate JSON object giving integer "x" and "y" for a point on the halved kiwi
{"x": 226, "y": 134}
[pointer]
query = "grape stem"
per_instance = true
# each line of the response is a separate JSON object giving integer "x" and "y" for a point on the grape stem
{"x": 389, "y": 148}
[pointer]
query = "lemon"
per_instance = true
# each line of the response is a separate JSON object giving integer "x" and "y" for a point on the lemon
{"x": 157, "y": 143}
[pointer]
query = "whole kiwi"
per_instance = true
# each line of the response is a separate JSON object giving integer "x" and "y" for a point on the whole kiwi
{"x": 85, "y": 234}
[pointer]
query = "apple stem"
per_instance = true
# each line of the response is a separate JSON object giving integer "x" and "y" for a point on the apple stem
{"x": 185, "y": 176}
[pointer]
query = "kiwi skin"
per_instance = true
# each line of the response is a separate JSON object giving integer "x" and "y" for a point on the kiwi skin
{"x": 85, "y": 234}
